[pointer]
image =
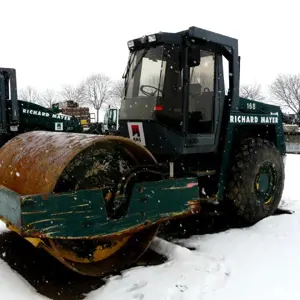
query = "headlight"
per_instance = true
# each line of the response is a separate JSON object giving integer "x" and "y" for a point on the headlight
{"x": 151, "y": 38}
{"x": 130, "y": 44}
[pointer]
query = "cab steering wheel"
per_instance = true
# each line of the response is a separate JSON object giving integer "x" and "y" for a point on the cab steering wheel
{"x": 148, "y": 93}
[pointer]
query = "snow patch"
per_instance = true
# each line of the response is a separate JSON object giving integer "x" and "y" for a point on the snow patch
{"x": 259, "y": 262}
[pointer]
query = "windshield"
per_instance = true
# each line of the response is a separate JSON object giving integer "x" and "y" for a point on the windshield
{"x": 153, "y": 82}
{"x": 147, "y": 72}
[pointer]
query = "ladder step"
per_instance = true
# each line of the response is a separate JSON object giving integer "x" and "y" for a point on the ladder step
{"x": 206, "y": 173}
{"x": 211, "y": 199}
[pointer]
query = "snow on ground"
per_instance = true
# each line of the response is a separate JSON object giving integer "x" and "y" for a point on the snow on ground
{"x": 260, "y": 262}
{"x": 12, "y": 285}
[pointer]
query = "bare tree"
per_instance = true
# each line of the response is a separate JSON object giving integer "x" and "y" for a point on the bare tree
{"x": 29, "y": 94}
{"x": 73, "y": 93}
{"x": 97, "y": 91}
{"x": 252, "y": 92}
{"x": 117, "y": 93}
{"x": 286, "y": 90}
{"x": 118, "y": 89}
{"x": 48, "y": 98}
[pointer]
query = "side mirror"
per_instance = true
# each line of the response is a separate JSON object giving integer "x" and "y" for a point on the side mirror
{"x": 194, "y": 57}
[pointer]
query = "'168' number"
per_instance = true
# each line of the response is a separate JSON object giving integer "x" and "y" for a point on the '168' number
{"x": 251, "y": 106}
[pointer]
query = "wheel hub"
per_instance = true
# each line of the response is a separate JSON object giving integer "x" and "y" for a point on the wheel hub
{"x": 265, "y": 182}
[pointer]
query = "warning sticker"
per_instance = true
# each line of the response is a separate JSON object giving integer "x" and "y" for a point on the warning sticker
{"x": 136, "y": 132}
{"x": 59, "y": 126}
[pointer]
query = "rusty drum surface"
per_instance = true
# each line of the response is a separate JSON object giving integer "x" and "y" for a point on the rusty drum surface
{"x": 45, "y": 162}
{"x": 33, "y": 162}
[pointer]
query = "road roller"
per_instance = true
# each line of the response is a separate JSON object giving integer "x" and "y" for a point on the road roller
{"x": 186, "y": 142}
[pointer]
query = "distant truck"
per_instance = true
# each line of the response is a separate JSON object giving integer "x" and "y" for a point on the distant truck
{"x": 110, "y": 125}
{"x": 72, "y": 108}
{"x": 291, "y": 133}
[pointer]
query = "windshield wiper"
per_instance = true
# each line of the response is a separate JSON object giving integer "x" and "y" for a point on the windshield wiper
{"x": 130, "y": 61}
{"x": 125, "y": 75}
{"x": 138, "y": 63}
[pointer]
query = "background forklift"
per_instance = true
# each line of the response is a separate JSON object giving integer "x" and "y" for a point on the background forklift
{"x": 18, "y": 116}
{"x": 111, "y": 121}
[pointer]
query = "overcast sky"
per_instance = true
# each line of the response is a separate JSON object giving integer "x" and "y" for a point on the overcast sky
{"x": 62, "y": 41}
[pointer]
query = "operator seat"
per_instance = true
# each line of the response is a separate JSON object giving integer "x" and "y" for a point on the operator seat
{"x": 200, "y": 110}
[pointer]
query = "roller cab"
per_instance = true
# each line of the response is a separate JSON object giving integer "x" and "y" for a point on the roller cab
{"x": 182, "y": 103}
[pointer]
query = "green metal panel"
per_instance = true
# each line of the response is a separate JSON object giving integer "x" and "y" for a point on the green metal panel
{"x": 36, "y": 117}
{"x": 83, "y": 214}
{"x": 251, "y": 114}
{"x": 10, "y": 206}
{"x": 225, "y": 161}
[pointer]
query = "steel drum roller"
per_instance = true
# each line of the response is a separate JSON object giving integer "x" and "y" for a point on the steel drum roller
{"x": 50, "y": 162}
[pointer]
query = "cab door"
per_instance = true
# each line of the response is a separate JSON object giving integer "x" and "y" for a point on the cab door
{"x": 206, "y": 95}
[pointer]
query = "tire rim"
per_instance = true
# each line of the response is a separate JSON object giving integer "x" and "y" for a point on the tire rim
{"x": 265, "y": 183}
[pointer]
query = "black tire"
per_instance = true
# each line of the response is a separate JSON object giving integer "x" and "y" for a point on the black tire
{"x": 256, "y": 160}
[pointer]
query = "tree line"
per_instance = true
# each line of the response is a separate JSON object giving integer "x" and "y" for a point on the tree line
{"x": 98, "y": 89}
{"x": 284, "y": 91}
{"x": 95, "y": 90}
